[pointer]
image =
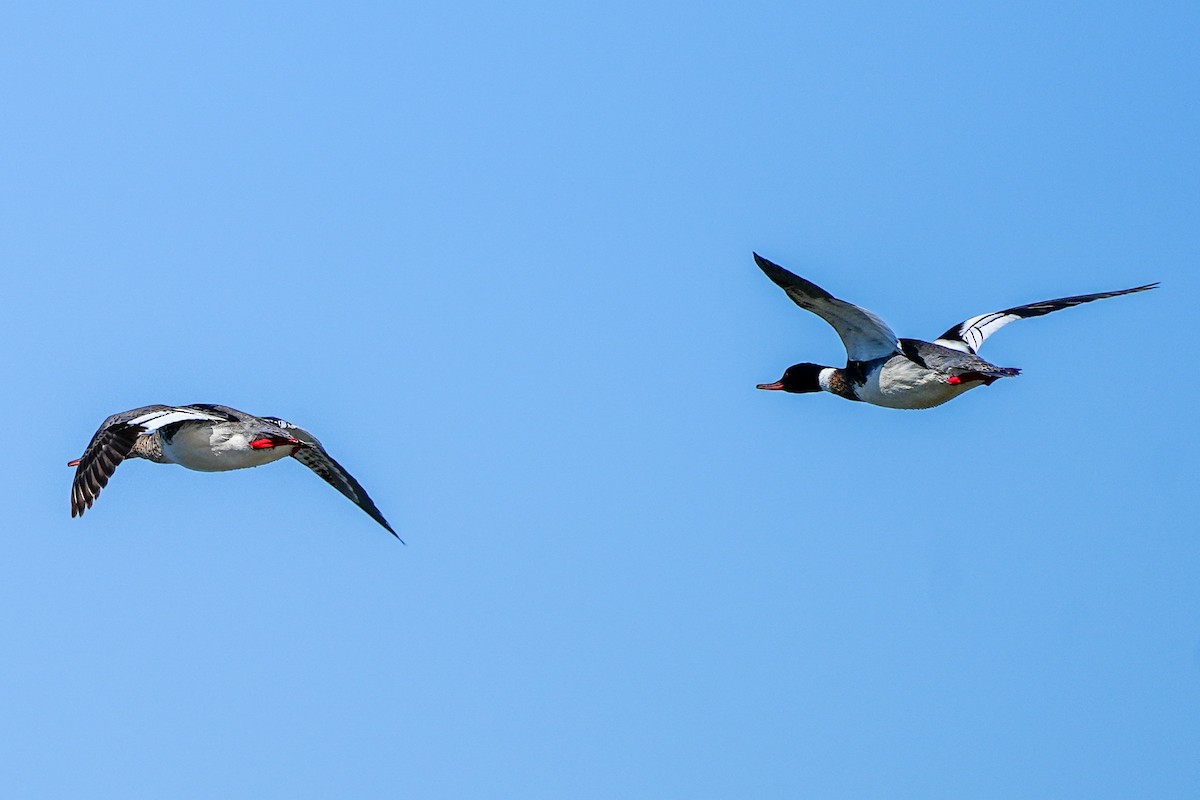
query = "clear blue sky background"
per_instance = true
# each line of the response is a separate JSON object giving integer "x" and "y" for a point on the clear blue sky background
{"x": 497, "y": 256}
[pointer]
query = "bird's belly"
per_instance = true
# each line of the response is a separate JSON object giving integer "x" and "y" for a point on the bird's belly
{"x": 205, "y": 450}
{"x": 901, "y": 383}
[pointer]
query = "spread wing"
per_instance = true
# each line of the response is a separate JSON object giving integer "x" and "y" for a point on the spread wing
{"x": 969, "y": 335}
{"x": 113, "y": 443}
{"x": 313, "y": 456}
{"x": 865, "y": 335}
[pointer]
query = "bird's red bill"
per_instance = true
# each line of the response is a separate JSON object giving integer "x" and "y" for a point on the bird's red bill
{"x": 273, "y": 441}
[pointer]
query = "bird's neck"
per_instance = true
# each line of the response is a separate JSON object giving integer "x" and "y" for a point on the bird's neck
{"x": 836, "y": 381}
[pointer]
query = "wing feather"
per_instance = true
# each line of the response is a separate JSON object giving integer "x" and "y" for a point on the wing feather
{"x": 314, "y": 456}
{"x": 107, "y": 449}
{"x": 113, "y": 443}
{"x": 969, "y": 335}
{"x": 864, "y": 335}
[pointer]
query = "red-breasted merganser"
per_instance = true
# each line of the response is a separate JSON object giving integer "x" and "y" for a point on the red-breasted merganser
{"x": 884, "y": 370}
{"x": 208, "y": 438}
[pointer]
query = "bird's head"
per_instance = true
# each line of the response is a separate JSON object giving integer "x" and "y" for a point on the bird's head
{"x": 797, "y": 379}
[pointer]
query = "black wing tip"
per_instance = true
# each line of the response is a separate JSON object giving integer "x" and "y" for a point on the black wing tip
{"x": 790, "y": 281}
{"x": 81, "y": 501}
{"x": 367, "y": 505}
{"x": 1118, "y": 292}
{"x": 765, "y": 264}
{"x": 388, "y": 528}
{"x": 349, "y": 488}
{"x": 776, "y": 273}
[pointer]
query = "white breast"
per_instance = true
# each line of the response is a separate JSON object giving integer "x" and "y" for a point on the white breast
{"x": 218, "y": 448}
{"x": 900, "y": 383}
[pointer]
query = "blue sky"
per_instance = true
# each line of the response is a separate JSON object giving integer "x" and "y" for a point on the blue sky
{"x": 497, "y": 257}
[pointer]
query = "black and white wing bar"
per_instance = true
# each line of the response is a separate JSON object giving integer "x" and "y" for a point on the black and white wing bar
{"x": 970, "y": 334}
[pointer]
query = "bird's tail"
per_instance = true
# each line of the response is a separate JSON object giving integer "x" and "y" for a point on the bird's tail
{"x": 987, "y": 376}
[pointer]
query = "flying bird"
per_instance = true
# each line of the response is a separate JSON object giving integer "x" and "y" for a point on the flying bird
{"x": 207, "y": 438}
{"x": 884, "y": 370}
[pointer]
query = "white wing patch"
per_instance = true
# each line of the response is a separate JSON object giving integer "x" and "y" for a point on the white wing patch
{"x": 158, "y": 419}
{"x": 973, "y": 332}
